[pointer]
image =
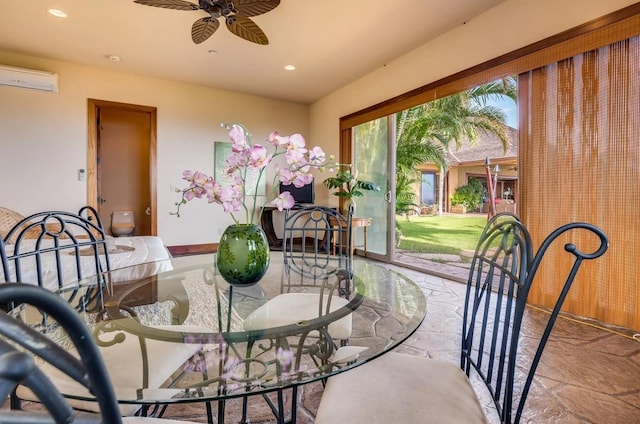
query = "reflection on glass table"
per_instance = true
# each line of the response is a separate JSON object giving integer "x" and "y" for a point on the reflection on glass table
{"x": 185, "y": 335}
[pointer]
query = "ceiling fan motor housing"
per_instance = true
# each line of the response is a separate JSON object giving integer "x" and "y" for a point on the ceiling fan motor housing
{"x": 218, "y": 8}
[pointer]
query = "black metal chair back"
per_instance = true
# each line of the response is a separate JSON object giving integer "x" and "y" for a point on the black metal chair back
{"x": 316, "y": 242}
{"x": 55, "y": 246}
{"x": 317, "y": 256}
{"x": 18, "y": 366}
{"x": 4, "y": 262}
{"x": 502, "y": 272}
{"x": 90, "y": 214}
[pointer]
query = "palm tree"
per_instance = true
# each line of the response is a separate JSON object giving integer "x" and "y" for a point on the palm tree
{"x": 455, "y": 118}
{"x": 415, "y": 144}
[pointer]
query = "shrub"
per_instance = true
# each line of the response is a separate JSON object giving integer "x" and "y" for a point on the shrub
{"x": 469, "y": 195}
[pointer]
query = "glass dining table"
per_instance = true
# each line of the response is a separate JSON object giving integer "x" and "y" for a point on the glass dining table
{"x": 186, "y": 335}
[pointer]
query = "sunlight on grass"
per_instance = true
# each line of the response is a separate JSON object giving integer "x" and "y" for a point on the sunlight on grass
{"x": 449, "y": 234}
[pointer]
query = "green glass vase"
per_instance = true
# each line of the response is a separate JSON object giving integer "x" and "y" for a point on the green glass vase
{"x": 243, "y": 254}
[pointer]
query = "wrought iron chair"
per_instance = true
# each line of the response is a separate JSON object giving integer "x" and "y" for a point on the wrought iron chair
{"x": 18, "y": 366}
{"x": 405, "y": 388}
{"x": 91, "y": 215}
{"x": 316, "y": 281}
{"x": 53, "y": 249}
{"x": 317, "y": 271}
{"x": 316, "y": 238}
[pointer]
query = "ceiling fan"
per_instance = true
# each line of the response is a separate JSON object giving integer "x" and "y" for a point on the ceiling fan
{"x": 235, "y": 13}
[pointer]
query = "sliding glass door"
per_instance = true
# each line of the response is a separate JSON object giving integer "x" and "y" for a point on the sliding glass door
{"x": 374, "y": 161}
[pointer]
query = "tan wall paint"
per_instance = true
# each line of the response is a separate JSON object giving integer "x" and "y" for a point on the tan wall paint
{"x": 43, "y": 139}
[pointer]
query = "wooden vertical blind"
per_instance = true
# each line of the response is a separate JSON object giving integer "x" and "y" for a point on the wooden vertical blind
{"x": 579, "y": 160}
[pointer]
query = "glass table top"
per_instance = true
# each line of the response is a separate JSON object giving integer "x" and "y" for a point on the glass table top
{"x": 185, "y": 334}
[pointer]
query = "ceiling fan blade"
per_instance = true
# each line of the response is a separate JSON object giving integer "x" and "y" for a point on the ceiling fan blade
{"x": 245, "y": 28}
{"x": 203, "y": 29}
{"x": 169, "y": 4}
{"x": 255, "y": 7}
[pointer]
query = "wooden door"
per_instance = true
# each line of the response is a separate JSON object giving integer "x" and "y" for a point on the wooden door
{"x": 121, "y": 171}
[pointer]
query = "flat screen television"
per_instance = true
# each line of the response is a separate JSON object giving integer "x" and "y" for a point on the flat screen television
{"x": 305, "y": 194}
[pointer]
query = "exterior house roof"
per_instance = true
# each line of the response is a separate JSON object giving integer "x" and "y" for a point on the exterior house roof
{"x": 488, "y": 145}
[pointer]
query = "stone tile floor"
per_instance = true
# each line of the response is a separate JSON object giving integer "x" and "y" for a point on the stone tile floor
{"x": 588, "y": 374}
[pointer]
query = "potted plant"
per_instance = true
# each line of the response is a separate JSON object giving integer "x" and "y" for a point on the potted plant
{"x": 468, "y": 197}
{"x": 243, "y": 251}
{"x": 349, "y": 186}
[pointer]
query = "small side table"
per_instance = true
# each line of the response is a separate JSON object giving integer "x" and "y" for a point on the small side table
{"x": 359, "y": 222}
{"x": 355, "y": 223}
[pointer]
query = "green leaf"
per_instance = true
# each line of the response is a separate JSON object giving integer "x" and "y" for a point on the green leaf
{"x": 368, "y": 185}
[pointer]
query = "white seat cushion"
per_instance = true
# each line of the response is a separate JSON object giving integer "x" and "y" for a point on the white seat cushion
{"x": 290, "y": 308}
{"x": 345, "y": 354}
{"x": 399, "y": 388}
{"x": 124, "y": 364}
{"x": 146, "y": 420}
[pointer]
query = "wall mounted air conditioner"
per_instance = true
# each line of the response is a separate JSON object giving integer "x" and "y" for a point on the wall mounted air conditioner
{"x": 28, "y": 78}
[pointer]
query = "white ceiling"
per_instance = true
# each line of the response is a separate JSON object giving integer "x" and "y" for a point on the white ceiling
{"x": 331, "y": 42}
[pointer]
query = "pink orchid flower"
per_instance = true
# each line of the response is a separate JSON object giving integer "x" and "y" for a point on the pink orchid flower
{"x": 284, "y": 201}
{"x": 296, "y": 141}
{"x": 286, "y": 176}
{"x": 211, "y": 188}
{"x": 216, "y": 193}
{"x": 234, "y": 163}
{"x": 285, "y": 357}
{"x": 296, "y": 156}
{"x": 195, "y": 178}
{"x": 187, "y": 175}
{"x": 246, "y": 165}
{"x": 277, "y": 140}
{"x": 301, "y": 179}
{"x": 317, "y": 157}
{"x": 259, "y": 156}
{"x": 194, "y": 193}
{"x": 238, "y": 135}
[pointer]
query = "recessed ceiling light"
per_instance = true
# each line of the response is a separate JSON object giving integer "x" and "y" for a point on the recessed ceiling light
{"x": 114, "y": 58}
{"x": 57, "y": 13}
{"x": 212, "y": 51}
{"x": 290, "y": 67}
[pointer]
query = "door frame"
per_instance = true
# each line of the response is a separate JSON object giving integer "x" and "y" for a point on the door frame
{"x": 93, "y": 111}
{"x": 347, "y": 149}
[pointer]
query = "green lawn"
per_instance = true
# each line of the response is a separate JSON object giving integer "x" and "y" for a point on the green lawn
{"x": 440, "y": 234}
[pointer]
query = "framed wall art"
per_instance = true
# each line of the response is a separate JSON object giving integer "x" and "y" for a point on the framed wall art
{"x": 221, "y": 152}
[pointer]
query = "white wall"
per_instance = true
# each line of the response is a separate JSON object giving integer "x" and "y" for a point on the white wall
{"x": 510, "y": 25}
{"x": 43, "y": 139}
